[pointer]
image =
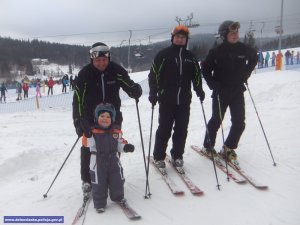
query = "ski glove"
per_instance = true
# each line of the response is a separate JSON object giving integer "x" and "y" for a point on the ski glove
{"x": 216, "y": 89}
{"x": 82, "y": 126}
{"x": 153, "y": 99}
{"x": 135, "y": 91}
{"x": 201, "y": 95}
{"x": 77, "y": 126}
{"x": 128, "y": 148}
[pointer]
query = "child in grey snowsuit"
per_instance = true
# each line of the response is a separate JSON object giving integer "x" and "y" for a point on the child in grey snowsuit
{"x": 105, "y": 167}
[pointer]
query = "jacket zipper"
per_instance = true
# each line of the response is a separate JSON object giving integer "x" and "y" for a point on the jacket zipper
{"x": 180, "y": 73}
{"x": 103, "y": 88}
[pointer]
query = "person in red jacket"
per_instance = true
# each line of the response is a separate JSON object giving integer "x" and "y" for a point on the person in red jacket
{"x": 50, "y": 86}
{"x": 25, "y": 88}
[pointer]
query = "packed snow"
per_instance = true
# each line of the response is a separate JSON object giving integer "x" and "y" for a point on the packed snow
{"x": 35, "y": 142}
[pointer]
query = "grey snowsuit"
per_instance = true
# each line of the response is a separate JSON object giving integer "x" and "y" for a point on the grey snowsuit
{"x": 105, "y": 167}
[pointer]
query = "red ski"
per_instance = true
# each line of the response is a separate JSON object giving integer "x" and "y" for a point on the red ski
{"x": 219, "y": 163}
{"x": 171, "y": 184}
{"x": 189, "y": 183}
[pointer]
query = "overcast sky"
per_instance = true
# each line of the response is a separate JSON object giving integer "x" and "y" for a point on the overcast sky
{"x": 87, "y": 21}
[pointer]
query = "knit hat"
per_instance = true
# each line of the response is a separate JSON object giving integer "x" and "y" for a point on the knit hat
{"x": 105, "y": 107}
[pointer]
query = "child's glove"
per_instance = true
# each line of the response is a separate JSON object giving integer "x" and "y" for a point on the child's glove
{"x": 128, "y": 148}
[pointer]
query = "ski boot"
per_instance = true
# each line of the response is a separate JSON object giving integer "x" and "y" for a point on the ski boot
{"x": 86, "y": 189}
{"x": 161, "y": 165}
{"x": 100, "y": 210}
{"x": 210, "y": 150}
{"x": 178, "y": 164}
{"x": 229, "y": 155}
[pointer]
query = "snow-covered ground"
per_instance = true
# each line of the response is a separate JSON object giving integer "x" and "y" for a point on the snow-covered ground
{"x": 34, "y": 144}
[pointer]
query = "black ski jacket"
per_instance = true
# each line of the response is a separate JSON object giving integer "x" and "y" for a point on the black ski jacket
{"x": 94, "y": 87}
{"x": 171, "y": 74}
{"x": 229, "y": 65}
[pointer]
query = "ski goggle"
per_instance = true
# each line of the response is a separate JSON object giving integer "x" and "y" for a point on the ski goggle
{"x": 234, "y": 27}
{"x": 99, "y": 51}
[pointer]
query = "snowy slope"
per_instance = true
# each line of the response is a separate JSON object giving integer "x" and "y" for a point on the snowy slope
{"x": 34, "y": 144}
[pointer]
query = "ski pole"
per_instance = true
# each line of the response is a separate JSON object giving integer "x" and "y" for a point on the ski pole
{"x": 209, "y": 143}
{"x": 140, "y": 127}
{"x": 274, "y": 163}
{"x": 148, "y": 162}
{"x": 221, "y": 120}
{"x": 45, "y": 195}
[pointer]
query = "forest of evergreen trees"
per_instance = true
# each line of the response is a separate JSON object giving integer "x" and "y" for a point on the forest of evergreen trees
{"x": 16, "y": 55}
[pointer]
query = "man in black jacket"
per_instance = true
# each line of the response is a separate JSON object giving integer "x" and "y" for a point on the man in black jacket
{"x": 173, "y": 70}
{"x": 226, "y": 68}
{"x": 98, "y": 82}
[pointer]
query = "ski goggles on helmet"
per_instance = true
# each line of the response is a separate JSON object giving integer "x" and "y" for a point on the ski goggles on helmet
{"x": 234, "y": 27}
{"x": 99, "y": 51}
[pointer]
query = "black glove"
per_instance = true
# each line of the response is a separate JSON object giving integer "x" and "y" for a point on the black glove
{"x": 201, "y": 95}
{"x": 153, "y": 99}
{"x": 128, "y": 148}
{"x": 135, "y": 91}
{"x": 86, "y": 128}
{"x": 216, "y": 86}
{"x": 246, "y": 77}
{"x": 77, "y": 126}
{"x": 82, "y": 126}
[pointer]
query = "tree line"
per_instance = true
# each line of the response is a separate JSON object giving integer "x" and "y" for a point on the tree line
{"x": 16, "y": 55}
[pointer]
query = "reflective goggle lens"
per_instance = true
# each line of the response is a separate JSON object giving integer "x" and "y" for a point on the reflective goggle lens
{"x": 98, "y": 54}
{"x": 99, "y": 51}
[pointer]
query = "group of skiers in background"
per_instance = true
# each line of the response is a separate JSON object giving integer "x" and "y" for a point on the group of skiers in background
{"x": 290, "y": 58}
{"x": 96, "y": 106}
{"x": 25, "y": 85}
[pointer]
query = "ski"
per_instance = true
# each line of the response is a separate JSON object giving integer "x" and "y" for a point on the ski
{"x": 189, "y": 183}
{"x": 239, "y": 170}
{"x": 171, "y": 184}
{"x": 219, "y": 163}
{"x": 82, "y": 210}
{"x": 129, "y": 212}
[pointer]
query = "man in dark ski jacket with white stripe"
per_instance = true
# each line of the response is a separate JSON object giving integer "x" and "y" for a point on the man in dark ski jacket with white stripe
{"x": 98, "y": 82}
{"x": 173, "y": 70}
{"x": 226, "y": 68}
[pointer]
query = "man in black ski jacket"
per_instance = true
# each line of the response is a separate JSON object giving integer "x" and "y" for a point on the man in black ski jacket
{"x": 226, "y": 68}
{"x": 173, "y": 70}
{"x": 98, "y": 82}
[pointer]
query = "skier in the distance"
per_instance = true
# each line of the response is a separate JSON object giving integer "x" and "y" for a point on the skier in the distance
{"x": 3, "y": 89}
{"x": 226, "y": 68}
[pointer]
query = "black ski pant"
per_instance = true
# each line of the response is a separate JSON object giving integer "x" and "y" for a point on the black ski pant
{"x": 50, "y": 89}
{"x": 25, "y": 94}
{"x": 86, "y": 155}
{"x": 236, "y": 103}
{"x": 3, "y": 96}
{"x": 85, "y": 164}
{"x": 169, "y": 115}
